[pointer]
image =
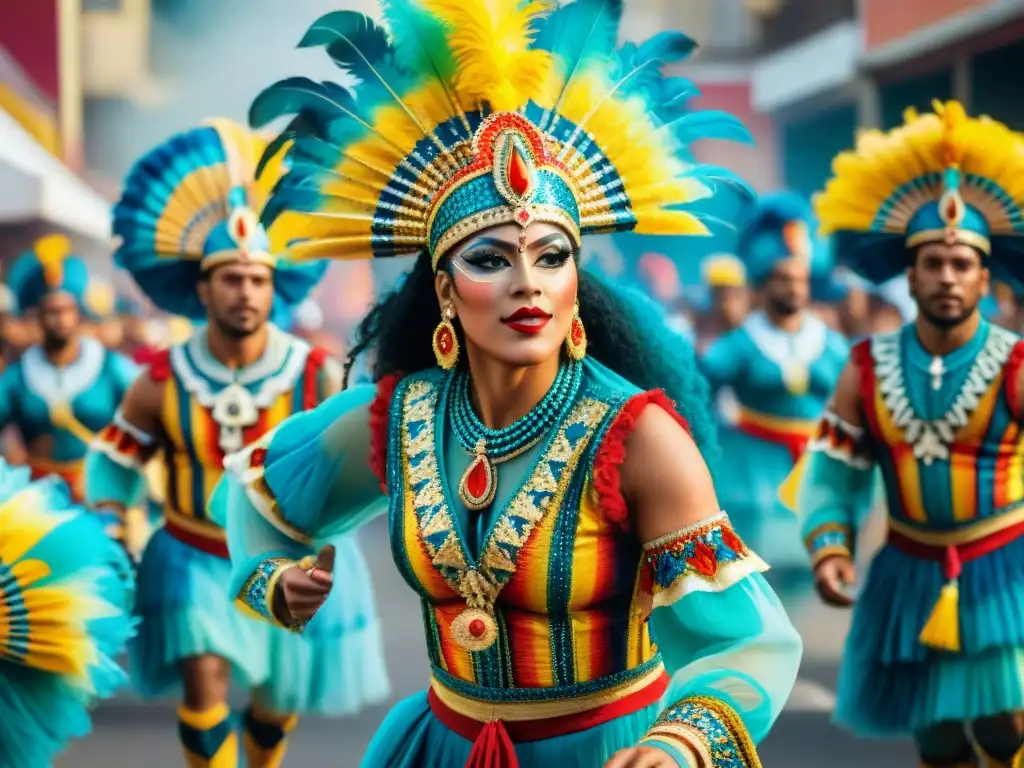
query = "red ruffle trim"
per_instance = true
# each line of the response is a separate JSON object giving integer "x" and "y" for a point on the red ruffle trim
{"x": 607, "y": 479}
{"x": 379, "y": 410}
{"x": 160, "y": 365}
{"x": 311, "y": 389}
{"x": 1012, "y": 374}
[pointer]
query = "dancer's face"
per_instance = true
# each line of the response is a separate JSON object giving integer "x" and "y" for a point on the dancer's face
{"x": 787, "y": 290}
{"x": 238, "y": 297}
{"x": 513, "y": 291}
{"x": 948, "y": 282}
{"x": 59, "y": 318}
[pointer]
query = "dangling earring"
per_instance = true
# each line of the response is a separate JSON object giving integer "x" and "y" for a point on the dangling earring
{"x": 446, "y": 343}
{"x": 576, "y": 339}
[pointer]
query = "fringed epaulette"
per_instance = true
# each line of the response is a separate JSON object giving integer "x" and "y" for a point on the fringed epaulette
{"x": 607, "y": 477}
{"x": 379, "y": 410}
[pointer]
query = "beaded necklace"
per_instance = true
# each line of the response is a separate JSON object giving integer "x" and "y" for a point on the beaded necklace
{"x": 491, "y": 447}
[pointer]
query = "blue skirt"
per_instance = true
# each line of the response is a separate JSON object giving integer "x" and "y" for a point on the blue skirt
{"x": 411, "y": 736}
{"x": 892, "y": 685}
{"x": 334, "y": 667}
{"x": 750, "y": 473}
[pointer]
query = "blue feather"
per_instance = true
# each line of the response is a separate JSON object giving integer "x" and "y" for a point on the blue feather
{"x": 421, "y": 40}
{"x": 300, "y": 94}
{"x": 709, "y": 124}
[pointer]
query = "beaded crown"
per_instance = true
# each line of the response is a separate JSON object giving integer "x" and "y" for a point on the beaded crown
{"x": 939, "y": 177}
{"x": 193, "y": 203}
{"x": 473, "y": 113}
{"x": 48, "y": 267}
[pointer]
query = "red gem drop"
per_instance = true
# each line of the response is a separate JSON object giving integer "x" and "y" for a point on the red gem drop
{"x": 257, "y": 457}
{"x": 518, "y": 172}
{"x": 478, "y": 481}
{"x": 477, "y": 628}
{"x": 951, "y": 210}
{"x": 523, "y": 216}
{"x": 240, "y": 227}
{"x": 576, "y": 331}
{"x": 444, "y": 341}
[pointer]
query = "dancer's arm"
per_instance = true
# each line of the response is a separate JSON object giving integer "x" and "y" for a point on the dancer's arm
{"x": 726, "y": 640}
{"x": 306, "y": 482}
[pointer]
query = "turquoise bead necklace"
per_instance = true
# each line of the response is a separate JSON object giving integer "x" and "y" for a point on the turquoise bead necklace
{"x": 490, "y": 447}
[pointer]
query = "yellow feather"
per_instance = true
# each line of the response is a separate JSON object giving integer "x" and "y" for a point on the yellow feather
{"x": 490, "y": 40}
{"x": 51, "y": 252}
{"x": 23, "y": 524}
{"x": 867, "y": 177}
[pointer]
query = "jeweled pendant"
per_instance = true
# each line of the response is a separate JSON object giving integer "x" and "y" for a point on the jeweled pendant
{"x": 474, "y": 630}
{"x": 479, "y": 482}
{"x": 797, "y": 378}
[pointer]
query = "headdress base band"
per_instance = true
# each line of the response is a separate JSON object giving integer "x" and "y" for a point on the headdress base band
{"x": 950, "y": 236}
{"x": 232, "y": 256}
{"x": 506, "y": 214}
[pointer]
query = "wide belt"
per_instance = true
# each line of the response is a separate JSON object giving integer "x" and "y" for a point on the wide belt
{"x": 792, "y": 434}
{"x": 952, "y": 549}
{"x": 198, "y": 534}
{"x": 494, "y": 727}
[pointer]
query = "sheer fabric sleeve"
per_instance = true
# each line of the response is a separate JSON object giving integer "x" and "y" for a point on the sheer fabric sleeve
{"x": 726, "y": 640}
{"x": 302, "y": 484}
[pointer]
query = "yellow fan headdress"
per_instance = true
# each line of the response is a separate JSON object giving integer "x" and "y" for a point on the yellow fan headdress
{"x": 474, "y": 113}
{"x": 723, "y": 270}
{"x": 193, "y": 203}
{"x": 940, "y": 177}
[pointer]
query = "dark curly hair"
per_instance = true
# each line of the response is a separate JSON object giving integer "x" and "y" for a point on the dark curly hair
{"x": 626, "y": 332}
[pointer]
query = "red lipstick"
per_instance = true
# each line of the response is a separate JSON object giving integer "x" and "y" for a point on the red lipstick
{"x": 527, "y": 320}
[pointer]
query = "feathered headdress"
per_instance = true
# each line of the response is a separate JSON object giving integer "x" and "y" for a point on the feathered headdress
{"x": 723, "y": 270}
{"x": 474, "y": 114}
{"x": 940, "y": 177}
{"x": 193, "y": 203}
{"x": 779, "y": 228}
{"x": 49, "y": 267}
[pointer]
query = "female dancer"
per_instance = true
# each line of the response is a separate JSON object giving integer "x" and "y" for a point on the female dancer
{"x": 65, "y": 601}
{"x": 554, "y": 517}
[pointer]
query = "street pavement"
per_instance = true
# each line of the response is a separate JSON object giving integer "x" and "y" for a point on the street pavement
{"x": 130, "y": 734}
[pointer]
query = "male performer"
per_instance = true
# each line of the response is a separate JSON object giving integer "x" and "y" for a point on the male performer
{"x": 192, "y": 240}
{"x": 937, "y": 638}
{"x": 781, "y": 364}
{"x": 65, "y": 389}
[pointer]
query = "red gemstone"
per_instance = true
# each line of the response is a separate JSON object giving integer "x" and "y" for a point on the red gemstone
{"x": 523, "y": 216}
{"x": 444, "y": 341}
{"x": 478, "y": 480}
{"x": 477, "y": 628}
{"x": 240, "y": 227}
{"x": 257, "y": 457}
{"x": 518, "y": 172}
{"x": 576, "y": 332}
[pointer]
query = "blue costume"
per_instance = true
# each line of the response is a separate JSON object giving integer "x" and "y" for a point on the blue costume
{"x": 191, "y": 205}
{"x": 60, "y": 410}
{"x": 65, "y": 599}
{"x": 781, "y": 382}
{"x": 937, "y": 636}
{"x": 555, "y": 635}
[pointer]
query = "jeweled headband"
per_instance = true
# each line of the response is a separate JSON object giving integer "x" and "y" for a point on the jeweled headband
{"x": 473, "y": 114}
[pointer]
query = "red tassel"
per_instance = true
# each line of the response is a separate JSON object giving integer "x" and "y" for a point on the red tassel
{"x": 379, "y": 410}
{"x": 493, "y": 748}
{"x": 607, "y": 480}
{"x": 951, "y": 565}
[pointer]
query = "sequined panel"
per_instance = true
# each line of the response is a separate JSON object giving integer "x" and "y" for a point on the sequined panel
{"x": 256, "y": 592}
{"x": 710, "y": 729}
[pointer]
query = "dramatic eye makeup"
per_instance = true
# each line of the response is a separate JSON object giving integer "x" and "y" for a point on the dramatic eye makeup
{"x": 485, "y": 258}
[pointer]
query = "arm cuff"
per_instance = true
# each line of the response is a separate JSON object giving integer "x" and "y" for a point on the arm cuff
{"x": 828, "y": 540}
{"x": 257, "y": 594}
{"x": 705, "y": 557}
{"x": 709, "y": 731}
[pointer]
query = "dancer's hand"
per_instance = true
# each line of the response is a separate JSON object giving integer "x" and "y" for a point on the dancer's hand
{"x": 642, "y": 757}
{"x": 301, "y": 590}
{"x": 833, "y": 577}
